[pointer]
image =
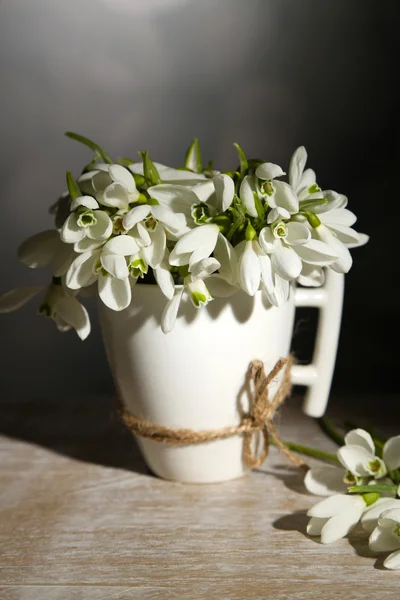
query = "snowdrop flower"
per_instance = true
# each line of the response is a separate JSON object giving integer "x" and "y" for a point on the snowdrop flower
{"x": 44, "y": 249}
{"x": 195, "y": 287}
{"x": 170, "y": 175}
{"x": 107, "y": 265}
{"x": 334, "y": 517}
{"x": 303, "y": 181}
{"x": 360, "y": 464}
{"x": 59, "y": 304}
{"x": 279, "y": 194}
{"x": 84, "y": 221}
{"x": 112, "y": 185}
{"x": 358, "y": 456}
{"x": 386, "y": 537}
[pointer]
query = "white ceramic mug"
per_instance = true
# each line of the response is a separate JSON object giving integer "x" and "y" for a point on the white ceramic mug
{"x": 195, "y": 377}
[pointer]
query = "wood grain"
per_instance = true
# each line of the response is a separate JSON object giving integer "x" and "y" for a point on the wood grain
{"x": 81, "y": 518}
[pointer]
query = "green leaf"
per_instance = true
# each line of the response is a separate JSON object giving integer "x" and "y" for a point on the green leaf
{"x": 244, "y": 165}
{"x": 193, "y": 160}
{"x": 91, "y": 164}
{"x": 73, "y": 187}
{"x": 92, "y": 145}
{"x": 378, "y": 489}
{"x": 149, "y": 170}
{"x": 259, "y": 206}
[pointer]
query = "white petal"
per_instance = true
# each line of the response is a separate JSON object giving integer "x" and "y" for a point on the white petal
{"x": 115, "y": 265}
{"x": 100, "y": 180}
{"x": 341, "y": 524}
{"x": 280, "y": 292}
{"x": 316, "y": 253}
{"x": 143, "y": 238}
{"x": 297, "y": 164}
{"x": 339, "y": 216}
{"x": 325, "y": 481}
{"x": 225, "y": 191}
{"x": 297, "y": 234}
{"x": 175, "y": 197}
{"x": 219, "y": 287}
{"x": 392, "y": 561}
{"x": 370, "y": 517}
{"x": 311, "y": 276}
{"x": 204, "y": 191}
{"x": 138, "y": 213}
{"x": 115, "y": 293}
{"x": 121, "y": 244}
{"x": 344, "y": 262}
{"x": 38, "y": 251}
{"x": 277, "y": 213}
{"x": 14, "y": 299}
{"x": 268, "y": 241}
{"x": 123, "y": 175}
{"x": 81, "y": 272}
{"x": 286, "y": 262}
{"x": 204, "y": 237}
{"x": 246, "y": 193}
{"x": 269, "y": 171}
{"x": 164, "y": 278}
{"x": 362, "y": 240}
{"x": 103, "y": 227}
{"x": 87, "y": 245}
{"x": 154, "y": 253}
{"x": 176, "y": 223}
{"x": 170, "y": 312}
{"x": 74, "y": 314}
{"x": 335, "y": 505}
{"x": 306, "y": 181}
{"x": 335, "y": 201}
{"x": 315, "y": 526}
{"x": 86, "y": 201}
{"x": 266, "y": 272}
{"x": 226, "y": 256}
{"x": 179, "y": 176}
{"x": 346, "y": 235}
{"x": 85, "y": 183}
{"x": 71, "y": 232}
{"x": 391, "y": 453}
{"x": 115, "y": 195}
{"x": 383, "y": 540}
{"x": 355, "y": 459}
{"x": 204, "y": 268}
{"x": 360, "y": 437}
{"x": 249, "y": 270}
{"x": 285, "y": 197}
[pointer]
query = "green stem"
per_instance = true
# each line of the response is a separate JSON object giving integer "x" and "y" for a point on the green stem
{"x": 92, "y": 145}
{"x": 320, "y": 454}
{"x": 379, "y": 489}
{"x": 328, "y": 427}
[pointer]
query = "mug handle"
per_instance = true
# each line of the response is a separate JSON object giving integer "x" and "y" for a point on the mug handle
{"x": 317, "y": 375}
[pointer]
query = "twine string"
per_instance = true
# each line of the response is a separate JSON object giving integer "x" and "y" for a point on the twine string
{"x": 259, "y": 419}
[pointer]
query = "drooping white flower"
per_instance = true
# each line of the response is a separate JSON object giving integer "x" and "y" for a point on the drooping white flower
{"x": 358, "y": 455}
{"x": 280, "y": 194}
{"x": 109, "y": 266}
{"x": 174, "y": 208}
{"x": 86, "y": 220}
{"x": 59, "y": 304}
{"x": 334, "y": 517}
{"x": 112, "y": 185}
{"x": 373, "y": 513}
{"x": 195, "y": 287}
{"x": 254, "y": 268}
{"x": 44, "y": 249}
{"x": 386, "y": 537}
{"x": 280, "y": 240}
{"x": 303, "y": 181}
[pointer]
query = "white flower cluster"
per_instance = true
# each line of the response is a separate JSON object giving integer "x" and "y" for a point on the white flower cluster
{"x": 376, "y": 506}
{"x": 192, "y": 231}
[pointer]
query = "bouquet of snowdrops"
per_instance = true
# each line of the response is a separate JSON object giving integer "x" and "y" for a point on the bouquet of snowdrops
{"x": 192, "y": 231}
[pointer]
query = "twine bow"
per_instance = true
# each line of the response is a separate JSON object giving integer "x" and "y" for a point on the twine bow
{"x": 258, "y": 419}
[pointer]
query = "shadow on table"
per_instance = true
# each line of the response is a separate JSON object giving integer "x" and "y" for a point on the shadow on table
{"x": 87, "y": 429}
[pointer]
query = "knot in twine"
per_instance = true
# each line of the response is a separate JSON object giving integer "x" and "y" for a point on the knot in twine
{"x": 259, "y": 419}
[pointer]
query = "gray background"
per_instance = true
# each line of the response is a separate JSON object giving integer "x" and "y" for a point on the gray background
{"x": 155, "y": 73}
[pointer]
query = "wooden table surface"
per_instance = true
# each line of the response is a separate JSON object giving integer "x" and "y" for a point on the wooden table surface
{"x": 82, "y": 518}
